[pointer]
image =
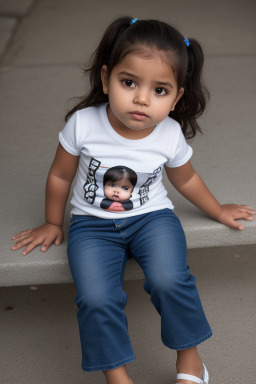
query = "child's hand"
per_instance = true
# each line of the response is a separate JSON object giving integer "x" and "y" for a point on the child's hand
{"x": 46, "y": 234}
{"x": 232, "y": 212}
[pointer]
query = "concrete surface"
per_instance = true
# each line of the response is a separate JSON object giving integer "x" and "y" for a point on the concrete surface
{"x": 11, "y": 11}
{"x": 62, "y": 31}
{"x": 15, "y": 8}
{"x": 40, "y": 72}
{"x": 40, "y": 342}
{"x": 7, "y": 27}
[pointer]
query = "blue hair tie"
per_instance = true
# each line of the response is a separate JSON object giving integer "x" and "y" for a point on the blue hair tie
{"x": 133, "y": 21}
{"x": 187, "y": 42}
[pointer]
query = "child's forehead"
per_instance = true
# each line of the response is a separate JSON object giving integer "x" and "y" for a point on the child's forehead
{"x": 148, "y": 54}
{"x": 123, "y": 181}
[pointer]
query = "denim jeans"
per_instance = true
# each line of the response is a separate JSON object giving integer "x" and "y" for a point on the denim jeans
{"x": 98, "y": 250}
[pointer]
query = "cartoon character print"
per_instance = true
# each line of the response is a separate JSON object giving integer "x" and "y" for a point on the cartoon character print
{"x": 90, "y": 186}
{"x": 114, "y": 188}
{"x": 144, "y": 189}
{"x": 119, "y": 183}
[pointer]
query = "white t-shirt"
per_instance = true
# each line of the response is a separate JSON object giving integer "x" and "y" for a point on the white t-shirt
{"x": 108, "y": 160}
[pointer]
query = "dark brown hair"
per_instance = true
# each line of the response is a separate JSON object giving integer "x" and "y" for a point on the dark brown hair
{"x": 118, "y": 173}
{"x": 122, "y": 38}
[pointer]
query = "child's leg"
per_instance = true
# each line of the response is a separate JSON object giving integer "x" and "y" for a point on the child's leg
{"x": 189, "y": 362}
{"x": 97, "y": 259}
{"x": 118, "y": 376}
{"x": 160, "y": 248}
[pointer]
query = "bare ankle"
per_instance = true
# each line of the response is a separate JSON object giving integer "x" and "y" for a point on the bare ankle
{"x": 128, "y": 381}
{"x": 189, "y": 361}
{"x": 117, "y": 376}
{"x": 122, "y": 381}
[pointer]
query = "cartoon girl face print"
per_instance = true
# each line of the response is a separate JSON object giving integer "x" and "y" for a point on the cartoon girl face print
{"x": 118, "y": 191}
{"x": 119, "y": 183}
{"x": 117, "y": 188}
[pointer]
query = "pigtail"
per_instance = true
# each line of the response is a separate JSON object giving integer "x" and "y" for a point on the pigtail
{"x": 193, "y": 102}
{"x": 186, "y": 59}
{"x": 103, "y": 55}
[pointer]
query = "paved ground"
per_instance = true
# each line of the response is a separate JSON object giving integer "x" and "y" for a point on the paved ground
{"x": 40, "y": 343}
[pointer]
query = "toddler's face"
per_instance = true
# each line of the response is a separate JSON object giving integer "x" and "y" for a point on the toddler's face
{"x": 142, "y": 90}
{"x": 118, "y": 190}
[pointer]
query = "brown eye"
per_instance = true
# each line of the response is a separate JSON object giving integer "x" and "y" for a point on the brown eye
{"x": 160, "y": 91}
{"x": 129, "y": 83}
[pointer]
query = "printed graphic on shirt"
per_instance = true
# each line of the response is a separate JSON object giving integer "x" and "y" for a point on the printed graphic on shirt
{"x": 90, "y": 186}
{"x": 118, "y": 183}
{"x": 117, "y": 188}
{"x": 144, "y": 189}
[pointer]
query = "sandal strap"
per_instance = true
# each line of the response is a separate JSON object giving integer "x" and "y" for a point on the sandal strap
{"x": 183, "y": 376}
{"x": 205, "y": 380}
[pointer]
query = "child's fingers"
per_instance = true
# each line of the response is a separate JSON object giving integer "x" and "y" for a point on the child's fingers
{"x": 22, "y": 243}
{"x": 45, "y": 246}
{"x": 243, "y": 206}
{"x": 239, "y": 226}
{"x": 33, "y": 244}
{"x": 46, "y": 243}
{"x": 44, "y": 235}
{"x": 235, "y": 225}
{"x": 244, "y": 215}
{"x": 240, "y": 216}
{"x": 49, "y": 240}
{"x": 22, "y": 235}
{"x": 246, "y": 208}
{"x": 59, "y": 239}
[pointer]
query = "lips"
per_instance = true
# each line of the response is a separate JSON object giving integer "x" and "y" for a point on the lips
{"x": 139, "y": 115}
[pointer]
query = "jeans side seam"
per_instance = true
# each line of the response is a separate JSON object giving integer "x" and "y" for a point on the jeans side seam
{"x": 198, "y": 305}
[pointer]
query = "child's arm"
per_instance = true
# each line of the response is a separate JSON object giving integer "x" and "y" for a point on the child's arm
{"x": 191, "y": 186}
{"x": 58, "y": 185}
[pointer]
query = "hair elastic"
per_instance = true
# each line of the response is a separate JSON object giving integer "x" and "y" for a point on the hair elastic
{"x": 187, "y": 42}
{"x": 133, "y": 21}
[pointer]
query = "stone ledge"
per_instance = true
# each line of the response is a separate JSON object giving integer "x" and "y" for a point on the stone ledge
{"x": 52, "y": 266}
{"x": 7, "y": 27}
{"x": 15, "y": 8}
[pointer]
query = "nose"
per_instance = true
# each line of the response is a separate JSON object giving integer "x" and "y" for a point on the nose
{"x": 142, "y": 97}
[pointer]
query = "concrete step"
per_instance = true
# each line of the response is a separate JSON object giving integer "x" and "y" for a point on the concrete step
{"x": 40, "y": 72}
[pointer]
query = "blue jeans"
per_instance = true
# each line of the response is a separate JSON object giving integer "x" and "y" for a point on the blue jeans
{"x": 98, "y": 250}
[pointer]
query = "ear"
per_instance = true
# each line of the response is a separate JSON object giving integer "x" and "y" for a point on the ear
{"x": 104, "y": 79}
{"x": 179, "y": 96}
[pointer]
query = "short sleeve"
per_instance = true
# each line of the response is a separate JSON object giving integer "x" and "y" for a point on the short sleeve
{"x": 68, "y": 136}
{"x": 182, "y": 154}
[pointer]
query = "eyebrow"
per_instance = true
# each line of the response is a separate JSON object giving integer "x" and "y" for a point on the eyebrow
{"x": 137, "y": 77}
{"x": 165, "y": 84}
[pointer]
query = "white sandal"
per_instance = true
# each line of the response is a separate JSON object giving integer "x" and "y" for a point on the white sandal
{"x": 205, "y": 380}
